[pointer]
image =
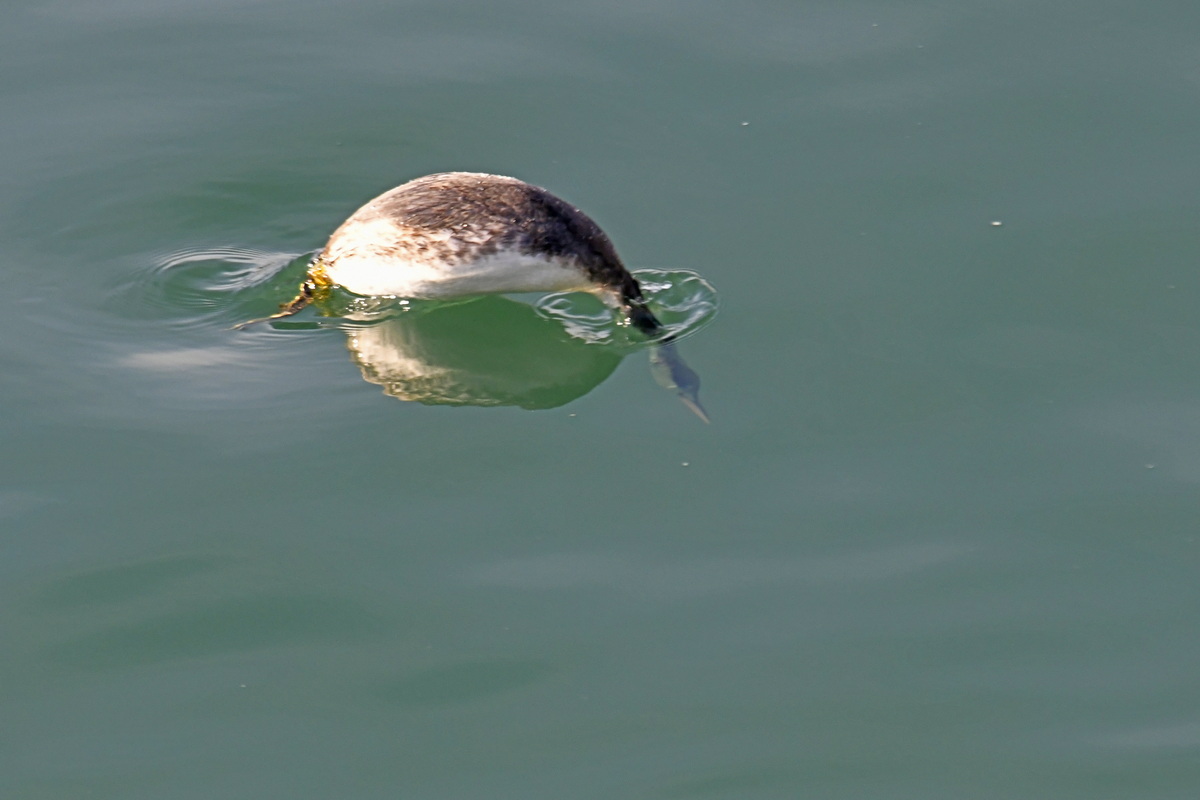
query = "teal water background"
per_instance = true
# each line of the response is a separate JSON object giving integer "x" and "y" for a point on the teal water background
{"x": 940, "y": 540}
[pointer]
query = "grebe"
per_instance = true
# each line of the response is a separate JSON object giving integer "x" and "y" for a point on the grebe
{"x": 456, "y": 234}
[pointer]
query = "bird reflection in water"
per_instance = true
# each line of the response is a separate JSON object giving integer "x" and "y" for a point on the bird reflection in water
{"x": 493, "y": 351}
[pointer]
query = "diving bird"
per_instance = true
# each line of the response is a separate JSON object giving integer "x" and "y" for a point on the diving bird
{"x": 456, "y": 234}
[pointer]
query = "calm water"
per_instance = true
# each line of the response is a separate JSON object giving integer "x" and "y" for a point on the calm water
{"x": 940, "y": 540}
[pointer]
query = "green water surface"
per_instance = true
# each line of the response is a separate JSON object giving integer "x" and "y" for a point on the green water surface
{"x": 939, "y": 542}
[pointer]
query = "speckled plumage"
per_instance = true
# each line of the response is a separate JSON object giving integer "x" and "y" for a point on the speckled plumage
{"x": 460, "y": 233}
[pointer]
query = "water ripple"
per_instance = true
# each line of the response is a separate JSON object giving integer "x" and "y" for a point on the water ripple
{"x": 682, "y": 300}
{"x": 223, "y": 285}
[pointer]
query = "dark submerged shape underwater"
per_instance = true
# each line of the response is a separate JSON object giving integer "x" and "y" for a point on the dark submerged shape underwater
{"x": 457, "y": 234}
